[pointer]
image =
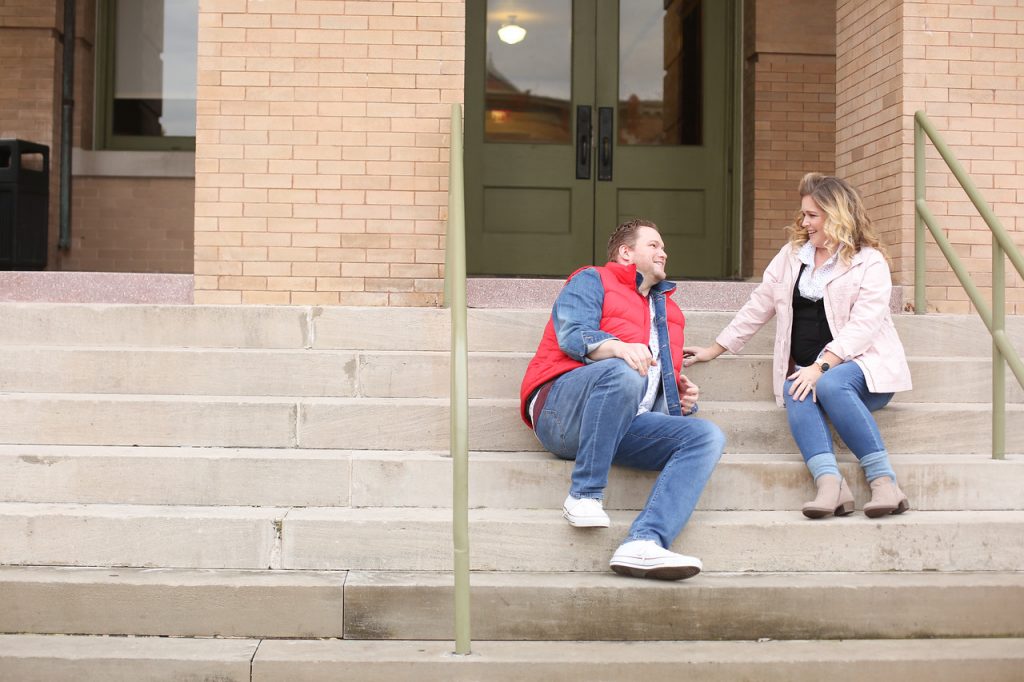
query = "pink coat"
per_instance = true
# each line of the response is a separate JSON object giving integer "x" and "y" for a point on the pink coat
{"x": 856, "y": 305}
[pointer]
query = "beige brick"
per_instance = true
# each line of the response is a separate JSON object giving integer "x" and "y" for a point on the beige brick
{"x": 314, "y": 298}
{"x": 263, "y": 298}
{"x": 316, "y": 269}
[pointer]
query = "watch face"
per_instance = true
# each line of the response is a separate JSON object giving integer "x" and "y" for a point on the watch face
{"x": 825, "y": 367}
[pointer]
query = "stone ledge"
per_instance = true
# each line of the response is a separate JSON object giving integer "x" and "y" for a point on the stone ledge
{"x": 489, "y": 292}
{"x": 95, "y": 287}
{"x": 481, "y": 292}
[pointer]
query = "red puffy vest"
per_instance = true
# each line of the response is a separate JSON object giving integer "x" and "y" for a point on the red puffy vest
{"x": 624, "y": 314}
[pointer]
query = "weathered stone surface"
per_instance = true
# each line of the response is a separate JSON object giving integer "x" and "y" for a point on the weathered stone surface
{"x": 198, "y": 372}
{"x": 530, "y": 540}
{"x": 139, "y": 536}
{"x": 190, "y": 326}
{"x": 174, "y": 475}
{"x": 51, "y": 658}
{"x": 78, "y": 419}
{"x": 171, "y": 602}
{"x": 589, "y": 606}
{"x": 945, "y": 660}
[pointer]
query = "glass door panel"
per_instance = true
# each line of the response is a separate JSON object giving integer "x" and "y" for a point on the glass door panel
{"x": 660, "y": 89}
{"x": 529, "y": 71}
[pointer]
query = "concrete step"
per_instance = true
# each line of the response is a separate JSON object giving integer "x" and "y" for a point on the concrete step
{"x": 510, "y": 606}
{"x": 95, "y": 419}
{"x": 531, "y": 480}
{"x": 49, "y": 658}
{"x": 761, "y": 427}
{"x": 172, "y": 602}
{"x": 416, "y": 539}
{"x": 139, "y": 536}
{"x": 423, "y": 423}
{"x": 531, "y": 540}
{"x": 53, "y": 658}
{"x": 714, "y": 606}
{"x": 250, "y": 326}
{"x": 386, "y": 374}
{"x": 400, "y": 329}
{"x": 183, "y": 371}
{"x": 992, "y": 660}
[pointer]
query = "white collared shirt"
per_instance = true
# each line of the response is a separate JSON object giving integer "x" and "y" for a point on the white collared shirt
{"x": 654, "y": 371}
{"x": 812, "y": 281}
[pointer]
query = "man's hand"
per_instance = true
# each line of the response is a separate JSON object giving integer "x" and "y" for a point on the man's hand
{"x": 688, "y": 394}
{"x": 636, "y": 355}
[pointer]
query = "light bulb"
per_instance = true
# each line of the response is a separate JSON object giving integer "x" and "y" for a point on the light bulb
{"x": 511, "y": 32}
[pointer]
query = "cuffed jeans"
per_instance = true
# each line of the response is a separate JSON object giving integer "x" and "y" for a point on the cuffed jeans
{"x": 843, "y": 397}
{"x": 590, "y": 416}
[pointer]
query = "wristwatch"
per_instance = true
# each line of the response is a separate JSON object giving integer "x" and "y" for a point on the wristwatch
{"x": 823, "y": 366}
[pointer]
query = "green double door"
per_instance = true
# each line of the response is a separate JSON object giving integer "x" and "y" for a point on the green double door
{"x": 584, "y": 113}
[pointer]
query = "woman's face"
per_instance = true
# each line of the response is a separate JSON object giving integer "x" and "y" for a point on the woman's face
{"x": 812, "y": 219}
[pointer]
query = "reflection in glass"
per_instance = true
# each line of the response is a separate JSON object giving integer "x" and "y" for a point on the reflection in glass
{"x": 529, "y": 83}
{"x": 660, "y": 89}
{"x": 155, "y": 50}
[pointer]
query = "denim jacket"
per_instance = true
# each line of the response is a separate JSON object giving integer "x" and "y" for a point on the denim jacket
{"x": 576, "y": 317}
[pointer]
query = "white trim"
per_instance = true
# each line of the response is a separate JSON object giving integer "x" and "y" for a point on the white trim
{"x": 85, "y": 162}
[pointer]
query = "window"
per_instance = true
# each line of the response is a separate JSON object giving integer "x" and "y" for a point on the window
{"x": 146, "y": 74}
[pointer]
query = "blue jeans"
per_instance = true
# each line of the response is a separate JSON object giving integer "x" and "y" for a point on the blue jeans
{"x": 590, "y": 416}
{"x": 844, "y": 398}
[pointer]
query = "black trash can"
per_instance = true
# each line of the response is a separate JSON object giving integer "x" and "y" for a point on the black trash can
{"x": 24, "y": 204}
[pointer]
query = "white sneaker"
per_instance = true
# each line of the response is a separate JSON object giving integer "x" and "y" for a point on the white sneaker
{"x": 584, "y": 512}
{"x": 648, "y": 559}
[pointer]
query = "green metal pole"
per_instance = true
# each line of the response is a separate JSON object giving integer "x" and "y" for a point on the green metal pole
{"x": 998, "y": 361}
{"x": 1010, "y": 249}
{"x": 456, "y": 275}
{"x": 920, "y": 265}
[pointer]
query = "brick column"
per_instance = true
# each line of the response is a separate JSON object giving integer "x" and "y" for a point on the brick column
{"x": 321, "y": 150}
{"x": 790, "y": 115}
{"x": 959, "y": 62}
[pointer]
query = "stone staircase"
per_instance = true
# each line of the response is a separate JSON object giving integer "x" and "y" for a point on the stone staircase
{"x": 263, "y": 493}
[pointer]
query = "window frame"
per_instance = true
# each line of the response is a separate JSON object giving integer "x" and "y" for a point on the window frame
{"x": 106, "y": 35}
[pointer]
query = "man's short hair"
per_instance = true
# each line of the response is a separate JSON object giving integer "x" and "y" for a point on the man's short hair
{"x": 626, "y": 234}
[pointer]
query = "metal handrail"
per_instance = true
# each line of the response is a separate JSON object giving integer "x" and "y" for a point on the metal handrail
{"x": 455, "y": 300}
{"x": 1003, "y": 352}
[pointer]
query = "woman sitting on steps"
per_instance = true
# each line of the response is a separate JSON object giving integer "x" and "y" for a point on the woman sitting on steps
{"x": 837, "y": 353}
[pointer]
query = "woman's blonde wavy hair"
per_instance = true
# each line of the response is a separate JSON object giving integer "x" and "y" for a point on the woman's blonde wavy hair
{"x": 846, "y": 222}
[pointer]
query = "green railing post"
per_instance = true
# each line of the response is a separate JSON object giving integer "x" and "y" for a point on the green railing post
{"x": 998, "y": 362}
{"x": 1003, "y": 352}
{"x": 920, "y": 262}
{"x": 455, "y": 299}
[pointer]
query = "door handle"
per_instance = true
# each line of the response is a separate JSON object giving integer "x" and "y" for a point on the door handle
{"x": 583, "y": 133}
{"x": 605, "y": 128}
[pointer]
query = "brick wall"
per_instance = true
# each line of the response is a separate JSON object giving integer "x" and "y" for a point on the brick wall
{"x": 321, "y": 149}
{"x": 960, "y": 62}
{"x": 793, "y": 109}
{"x": 964, "y": 65}
{"x": 131, "y": 225}
{"x": 869, "y": 117}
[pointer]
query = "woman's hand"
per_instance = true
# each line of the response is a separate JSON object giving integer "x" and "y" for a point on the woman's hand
{"x": 804, "y": 381}
{"x": 694, "y": 354}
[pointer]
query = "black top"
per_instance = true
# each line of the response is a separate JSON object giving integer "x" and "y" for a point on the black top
{"x": 810, "y": 327}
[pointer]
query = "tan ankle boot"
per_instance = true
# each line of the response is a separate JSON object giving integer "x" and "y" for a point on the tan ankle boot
{"x": 834, "y": 497}
{"x": 886, "y": 498}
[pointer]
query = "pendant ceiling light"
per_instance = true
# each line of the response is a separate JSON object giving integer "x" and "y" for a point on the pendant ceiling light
{"x": 511, "y": 32}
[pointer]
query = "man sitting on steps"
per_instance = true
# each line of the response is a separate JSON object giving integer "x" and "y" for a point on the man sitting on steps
{"x": 604, "y": 387}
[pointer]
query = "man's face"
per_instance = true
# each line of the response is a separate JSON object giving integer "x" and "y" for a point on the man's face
{"x": 648, "y": 254}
